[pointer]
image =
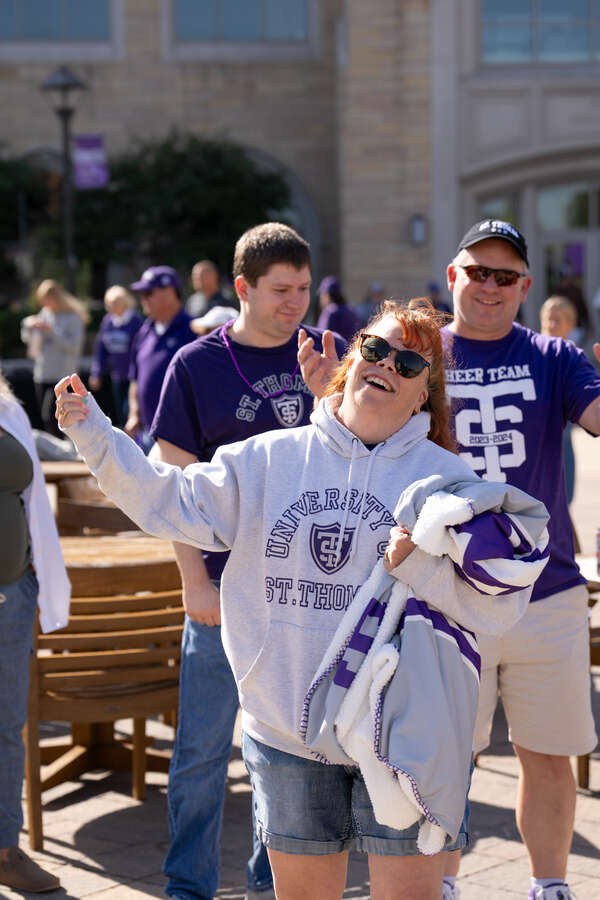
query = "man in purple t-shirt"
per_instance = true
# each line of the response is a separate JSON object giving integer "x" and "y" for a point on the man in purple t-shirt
{"x": 512, "y": 392}
{"x": 240, "y": 380}
{"x": 166, "y": 329}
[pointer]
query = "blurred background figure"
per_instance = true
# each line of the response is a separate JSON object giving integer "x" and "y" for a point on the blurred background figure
{"x": 32, "y": 573}
{"x": 370, "y": 305}
{"x": 558, "y": 318}
{"x": 335, "y": 314}
{"x": 207, "y": 289}
{"x": 54, "y": 339}
{"x": 112, "y": 350}
{"x": 214, "y": 318}
{"x": 165, "y": 329}
{"x": 435, "y": 295}
{"x": 569, "y": 288}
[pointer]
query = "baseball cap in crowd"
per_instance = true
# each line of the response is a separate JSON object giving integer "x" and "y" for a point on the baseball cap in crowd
{"x": 330, "y": 285}
{"x": 155, "y": 277}
{"x": 216, "y": 316}
{"x": 495, "y": 228}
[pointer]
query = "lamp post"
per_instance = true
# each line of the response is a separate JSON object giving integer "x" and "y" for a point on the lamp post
{"x": 63, "y": 86}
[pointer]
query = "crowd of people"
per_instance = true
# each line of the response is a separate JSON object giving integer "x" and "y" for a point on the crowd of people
{"x": 371, "y": 522}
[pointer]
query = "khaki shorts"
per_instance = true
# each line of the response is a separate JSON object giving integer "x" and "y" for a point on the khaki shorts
{"x": 541, "y": 670}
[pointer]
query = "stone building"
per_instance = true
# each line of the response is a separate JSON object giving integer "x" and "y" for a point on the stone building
{"x": 395, "y": 122}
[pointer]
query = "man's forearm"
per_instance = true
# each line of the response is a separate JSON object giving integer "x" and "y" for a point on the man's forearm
{"x": 191, "y": 565}
{"x": 189, "y": 559}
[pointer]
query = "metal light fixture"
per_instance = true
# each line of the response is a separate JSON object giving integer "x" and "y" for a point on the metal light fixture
{"x": 417, "y": 230}
{"x": 63, "y": 86}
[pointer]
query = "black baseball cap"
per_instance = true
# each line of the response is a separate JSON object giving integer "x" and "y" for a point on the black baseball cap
{"x": 495, "y": 228}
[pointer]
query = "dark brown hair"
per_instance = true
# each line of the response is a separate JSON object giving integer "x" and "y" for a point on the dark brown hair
{"x": 421, "y": 325}
{"x": 261, "y": 247}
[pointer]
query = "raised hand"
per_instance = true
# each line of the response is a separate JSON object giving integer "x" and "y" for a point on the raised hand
{"x": 70, "y": 406}
{"x": 317, "y": 368}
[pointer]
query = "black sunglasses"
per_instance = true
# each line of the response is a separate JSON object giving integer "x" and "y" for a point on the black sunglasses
{"x": 502, "y": 277}
{"x": 374, "y": 349}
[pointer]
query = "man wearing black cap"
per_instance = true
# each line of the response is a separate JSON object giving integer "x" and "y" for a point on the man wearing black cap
{"x": 166, "y": 329}
{"x": 512, "y": 393}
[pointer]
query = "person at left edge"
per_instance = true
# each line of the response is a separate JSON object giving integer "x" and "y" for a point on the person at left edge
{"x": 165, "y": 330}
{"x": 239, "y": 381}
{"x": 32, "y": 576}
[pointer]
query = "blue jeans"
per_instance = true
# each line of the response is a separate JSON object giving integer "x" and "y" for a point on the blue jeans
{"x": 18, "y": 603}
{"x": 208, "y": 703}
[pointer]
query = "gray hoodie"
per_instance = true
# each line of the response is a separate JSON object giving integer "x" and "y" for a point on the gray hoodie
{"x": 57, "y": 352}
{"x": 306, "y": 513}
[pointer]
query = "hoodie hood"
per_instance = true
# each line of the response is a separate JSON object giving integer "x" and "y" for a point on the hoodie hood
{"x": 335, "y": 436}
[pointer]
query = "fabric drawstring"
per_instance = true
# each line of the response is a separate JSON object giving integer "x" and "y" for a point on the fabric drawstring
{"x": 362, "y": 502}
{"x": 338, "y": 549}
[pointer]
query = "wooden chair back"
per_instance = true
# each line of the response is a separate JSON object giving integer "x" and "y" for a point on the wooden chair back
{"x": 117, "y": 658}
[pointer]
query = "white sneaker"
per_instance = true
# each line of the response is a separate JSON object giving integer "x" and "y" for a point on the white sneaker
{"x": 559, "y": 891}
{"x": 450, "y": 893}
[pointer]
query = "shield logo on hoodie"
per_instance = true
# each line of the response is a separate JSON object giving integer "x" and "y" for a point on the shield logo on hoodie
{"x": 324, "y": 541}
{"x": 288, "y": 409}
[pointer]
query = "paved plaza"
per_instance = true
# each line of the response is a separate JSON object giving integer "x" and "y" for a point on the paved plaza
{"x": 106, "y": 846}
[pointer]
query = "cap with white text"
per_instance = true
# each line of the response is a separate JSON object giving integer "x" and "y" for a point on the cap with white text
{"x": 495, "y": 228}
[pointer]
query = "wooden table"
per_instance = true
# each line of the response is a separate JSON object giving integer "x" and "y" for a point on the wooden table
{"x": 115, "y": 558}
{"x": 56, "y": 471}
{"x": 79, "y": 504}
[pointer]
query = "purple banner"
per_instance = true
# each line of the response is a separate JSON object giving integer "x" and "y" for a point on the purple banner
{"x": 90, "y": 167}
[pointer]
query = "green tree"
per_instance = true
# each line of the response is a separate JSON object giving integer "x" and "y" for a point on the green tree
{"x": 23, "y": 200}
{"x": 172, "y": 202}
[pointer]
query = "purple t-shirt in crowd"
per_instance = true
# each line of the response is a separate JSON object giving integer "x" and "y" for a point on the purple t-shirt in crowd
{"x": 341, "y": 318}
{"x": 151, "y": 353}
{"x": 205, "y": 403}
{"x": 511, "y": 400}
{"x": 113, "y": 346}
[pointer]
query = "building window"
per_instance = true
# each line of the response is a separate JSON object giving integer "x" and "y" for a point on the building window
{"x": 248, "y": 22}
{"x": 525, "y": 31}
{"x": 501, "y": 206}
{"x": 54, "y": 20}
{"x": 563, "y": 207}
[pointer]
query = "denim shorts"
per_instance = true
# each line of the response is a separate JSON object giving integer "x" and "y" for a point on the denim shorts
{"x": 305, "y": 807}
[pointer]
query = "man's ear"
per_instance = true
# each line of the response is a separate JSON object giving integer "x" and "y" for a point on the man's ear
{"x": 241, "y": 288}
{"x": 451, "y": 276}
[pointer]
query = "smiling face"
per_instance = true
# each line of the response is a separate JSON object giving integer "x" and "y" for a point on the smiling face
{"x": 558, "y": 317}
{"x": 484, "y": 311}
{"x": 272, "y": 309}
{"x": 377, "y": 401}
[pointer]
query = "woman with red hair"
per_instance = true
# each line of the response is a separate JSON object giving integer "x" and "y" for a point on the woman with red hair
{"x": 307, "y": 514}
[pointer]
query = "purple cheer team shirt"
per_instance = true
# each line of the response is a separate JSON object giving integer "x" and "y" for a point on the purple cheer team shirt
{"x": 511, "y": 399}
